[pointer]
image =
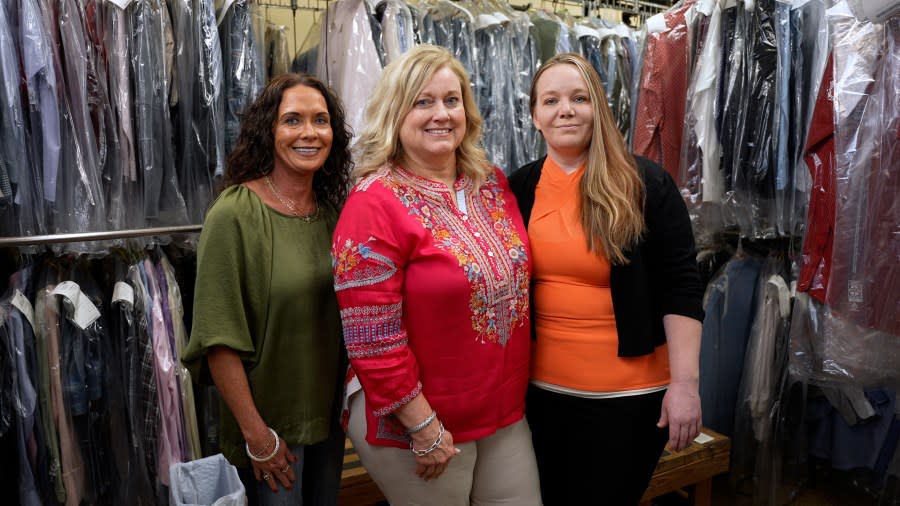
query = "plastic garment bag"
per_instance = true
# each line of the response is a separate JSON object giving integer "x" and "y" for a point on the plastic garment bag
{"x": 198, "y": 116}
{"x": 526, "y": 142}
{"x": 758, "y": 443}
{"x": 754, "y": 148}
{"x": 729, "y": 304}
{"x": 305, "y": 60}
{"x": 397, "y": 29}
{"x": 278, "y": 60}
{"x": 809, "y": 53}
{"x": 662, "y": 90}
{"x": 243, "y": 77}
{"x": 700, "y": 180}
{"x": 151, "y": 72}
{"x": 348, "y": 60}
{"x": 125, "y": 191}
{"x": 827, "y": 349}
{"x": 19, "y": 182}
{"x": 495, "y": 91}
{"x": 42, "y": 115}
{"x": 209, "y": 481}
{"x": 81, "y": 204}
{"x": 17, "y": 331}
{"x": 451, "y": 25}
{"x": 864, "y": 286}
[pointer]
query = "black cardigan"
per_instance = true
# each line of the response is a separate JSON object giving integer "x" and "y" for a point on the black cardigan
{"x": 662, "y": 276}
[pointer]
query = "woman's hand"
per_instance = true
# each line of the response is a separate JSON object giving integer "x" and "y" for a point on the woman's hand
{"x": 276, "y": 470}
{"x": 681, "y": 412}
{"x": 432, "y": 465}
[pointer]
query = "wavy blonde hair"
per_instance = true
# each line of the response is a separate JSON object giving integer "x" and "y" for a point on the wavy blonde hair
{"x": 612, "y": 192}
{"x": 394, "y": 95}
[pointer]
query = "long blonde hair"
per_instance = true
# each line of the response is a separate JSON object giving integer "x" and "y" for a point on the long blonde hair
{"x": 393, "y": 98}
{"x": 612, "y": 192}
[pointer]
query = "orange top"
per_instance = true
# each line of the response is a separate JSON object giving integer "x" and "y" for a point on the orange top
{"x": 577, "y": 342}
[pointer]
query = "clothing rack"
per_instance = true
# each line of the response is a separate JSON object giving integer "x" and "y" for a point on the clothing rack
{"x": 35, "y": 240}
{"x": 295, "y": 5}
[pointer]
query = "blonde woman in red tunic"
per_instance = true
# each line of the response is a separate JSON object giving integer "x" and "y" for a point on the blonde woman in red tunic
{"x": 432, "y": 277}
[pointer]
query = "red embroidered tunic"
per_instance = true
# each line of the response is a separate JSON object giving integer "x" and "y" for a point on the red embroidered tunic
{"x": 434, "y": 298}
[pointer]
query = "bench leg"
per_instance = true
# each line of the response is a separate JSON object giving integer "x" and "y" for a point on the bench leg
{"x": 701, "y": 493}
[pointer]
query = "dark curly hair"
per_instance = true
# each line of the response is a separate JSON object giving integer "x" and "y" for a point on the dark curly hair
{"x": 253, "y": 155}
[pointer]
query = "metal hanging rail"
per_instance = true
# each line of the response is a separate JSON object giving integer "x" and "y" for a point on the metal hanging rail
{"x": 35, "y": 240}
{"x": 295, "y": 5}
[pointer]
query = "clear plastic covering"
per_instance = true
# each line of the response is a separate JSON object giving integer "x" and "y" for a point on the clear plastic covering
{"x": 242, "y": 59}
{"x": 198, "y": 115}
{"x": 163, "y": 203}
{"x": 829, "y": 350}
{"x": 348, "y": 60}
{"x": 662, "y": 89}
{"x": 755, "y": 142}
{"x": 762, "y": 455}
{"x": 278, "y": 60}
{"x": 700, "y": 179}
{"x": 81, "y": 203}
{"x": 864, "y": 286}
{"x": 397, "y": 29}
{"x": 305, "y": 60}
{"x": 18, "y": 194}
{"x": 809, "y": 53}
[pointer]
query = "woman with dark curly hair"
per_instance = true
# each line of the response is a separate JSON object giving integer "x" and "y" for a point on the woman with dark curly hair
{"x": 266, "y": 327}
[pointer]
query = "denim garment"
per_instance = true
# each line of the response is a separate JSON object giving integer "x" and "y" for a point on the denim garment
{"x": 243, "y": 73}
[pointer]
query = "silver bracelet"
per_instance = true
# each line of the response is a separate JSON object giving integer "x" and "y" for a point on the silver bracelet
{"x": 434, "y": 446}
{"x": 427, "y": 421}
{"x": 270, "y": 456}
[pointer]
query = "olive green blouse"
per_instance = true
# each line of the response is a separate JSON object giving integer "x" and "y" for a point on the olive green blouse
{"x": 265, "y": 289}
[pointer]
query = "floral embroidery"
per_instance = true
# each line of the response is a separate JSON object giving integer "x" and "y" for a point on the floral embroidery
{"x": 347, "y": 270}
{"x": 484, "y": 242}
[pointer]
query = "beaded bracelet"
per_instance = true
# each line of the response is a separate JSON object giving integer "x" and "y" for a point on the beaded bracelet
{"x": 434, "y": 446}
{"x": 427, "y": 421}
{"x": 270, "y": 456}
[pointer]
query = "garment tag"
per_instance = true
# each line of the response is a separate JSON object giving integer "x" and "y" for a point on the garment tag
{"x": 123, "y": 292}
{"x": 793, "y": 288}
{"x": 86, "y": 312}
{"x": 703, "y": 438}
{"x": 122, "y": 4}
{"x": 20, "y": 302}
{"x": 657, "y": 23}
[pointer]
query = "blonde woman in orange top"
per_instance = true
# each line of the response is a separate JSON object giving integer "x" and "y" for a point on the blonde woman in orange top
{"x": 617, "y": 299}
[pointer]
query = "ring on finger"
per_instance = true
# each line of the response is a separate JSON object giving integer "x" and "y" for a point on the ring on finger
{"x": 285, "y": 469}
{"x": 267, "y": 476}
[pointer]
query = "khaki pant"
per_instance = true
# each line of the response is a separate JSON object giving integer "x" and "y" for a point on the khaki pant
{"x": 498, "y": 469}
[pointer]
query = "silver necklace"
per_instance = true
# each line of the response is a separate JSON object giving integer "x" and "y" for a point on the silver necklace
{"x": 288, "y": 203}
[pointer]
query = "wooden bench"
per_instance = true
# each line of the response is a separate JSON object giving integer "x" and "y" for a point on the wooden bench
{"x": 691, "y": 469}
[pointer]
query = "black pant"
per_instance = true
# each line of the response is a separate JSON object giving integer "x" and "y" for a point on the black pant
{"x": 595, "y": 451}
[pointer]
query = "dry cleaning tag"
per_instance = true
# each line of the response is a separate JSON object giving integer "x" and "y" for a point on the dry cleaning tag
{"x": 86, "y": 312}
{"x": 20, "y": 302}
{"x": 123, "y": 292}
